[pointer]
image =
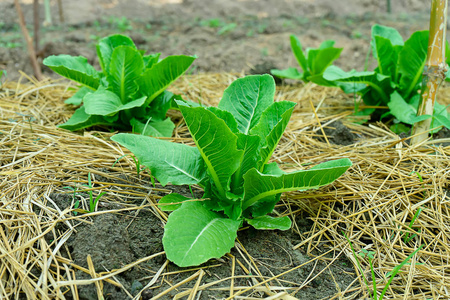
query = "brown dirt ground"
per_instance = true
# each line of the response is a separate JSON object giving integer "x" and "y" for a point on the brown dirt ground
{"x": 259, "y": 40}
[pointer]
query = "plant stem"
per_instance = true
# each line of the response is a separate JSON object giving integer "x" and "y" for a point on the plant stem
{"x": 434, "y": 72}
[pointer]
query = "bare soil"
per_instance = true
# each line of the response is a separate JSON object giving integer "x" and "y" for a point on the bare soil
{"x": 236, "y": 35}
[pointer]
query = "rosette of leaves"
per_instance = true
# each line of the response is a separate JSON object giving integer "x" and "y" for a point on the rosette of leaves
{"x": 128, "y": 93}
{"x": 313, "y": 63}
{"x": 234, "y": 143}
{"x": 395, "y": 82}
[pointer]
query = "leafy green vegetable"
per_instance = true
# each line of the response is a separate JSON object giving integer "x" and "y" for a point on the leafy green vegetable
{"x": 314, "y": 63}
{"x": 129, "y": 92}
{"x": 395, "y": 82}
{"x": 234, "y": 143}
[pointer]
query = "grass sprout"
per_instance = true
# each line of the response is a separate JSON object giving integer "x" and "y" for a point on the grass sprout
{"x": 370, "y": 256}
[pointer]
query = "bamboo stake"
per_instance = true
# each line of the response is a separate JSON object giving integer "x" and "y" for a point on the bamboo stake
{"x": 48, "y": 13}
{"x": 435, "y": 68}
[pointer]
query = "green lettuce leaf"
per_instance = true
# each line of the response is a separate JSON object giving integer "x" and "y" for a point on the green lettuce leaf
{"x": 270, "y": 223}
{"x": 403, "y": 111}
{"x": 80, "y": 119}
{"x": 156, "y": 79}
{"x": 322, "y": 58}
{"x": 75, "y": 68}
{"x": 412, "y": 59}
{"x": 126, "y": 66}
{"x": 250, "y": 145}
{"x": 216, "y": 143}
{"x": 106, "y": 103}
{"x": 171, "y": 202}
{"x": 77, "y": 98}
{"x": 168, "y": 162}
{"x": 258, "y": 186}
{"x": 155, "y": 128}
{"x": 150, "y": 60}
{"x": 387, "y": 56}
{"x": 299, "y": 55}
{"x": 246, "y": 99}
{"x": 193, "y": 235}
{"x": 106, "y": 46}
{"x": 271, "y": 127}
{"x": 289, "y": 73}
{"x": 378, "y": 82}
{"x": 388, "y": 33}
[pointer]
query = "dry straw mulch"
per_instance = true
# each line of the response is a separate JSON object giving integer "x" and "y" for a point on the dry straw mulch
{"x": 373, "y": 203}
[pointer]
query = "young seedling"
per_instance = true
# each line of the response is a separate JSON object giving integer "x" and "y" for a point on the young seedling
{"x": 2, "y": 72}
{"x": 137, "y": 163}
{"x": 313, "y": 63}
{"x": 129, "y": 91}
{"x": 92, "y": 201}
{"x": 76, "y": 202}
{"x": 29, "y": 119}
{"x": 435, "y": 70}
{"x": 406, "y": 236}
{"x": 370, "y": 255}
{"x": 234, "y": 143}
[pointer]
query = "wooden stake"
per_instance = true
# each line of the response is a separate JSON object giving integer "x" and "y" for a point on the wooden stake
{"x": 29, "y": 41}
{"x": 36, "y": 24}
{"x": 61, "y": 13}
{"x": 435, "y": 68}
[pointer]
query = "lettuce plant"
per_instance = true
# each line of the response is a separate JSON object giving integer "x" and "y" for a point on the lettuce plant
{"x": 313, "y": 63}
{"x": 128, "y": 93}
{"x": 395, "y": 82}
{"x": 234, "y": 143}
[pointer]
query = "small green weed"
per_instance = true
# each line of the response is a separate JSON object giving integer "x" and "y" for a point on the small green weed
{"x": 406, "y": 236}
{"x": 2, "y": 72}
{"x": 76, "y": 202}
{"x": 227, "y": 29}
{"x": 28, "y": 119}
{"x": 212, "y": 23}
{"x": 92, "y": 201}
{"x": 370, "y": 255}
{"x": 356, "y": 34}
{"x": 122, "y": 24}
{"x": 137, "y": 163}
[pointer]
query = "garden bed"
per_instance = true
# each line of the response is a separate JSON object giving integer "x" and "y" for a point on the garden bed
{"x": 51, "y": 250}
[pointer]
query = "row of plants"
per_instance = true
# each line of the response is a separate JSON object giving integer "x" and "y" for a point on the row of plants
{"x": 233, "y": 141}
{"x": 234, "y": 144}
{"x": 390, "y": 92}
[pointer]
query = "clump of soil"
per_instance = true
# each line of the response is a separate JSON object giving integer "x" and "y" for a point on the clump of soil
{"x": 338, "y": 134}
